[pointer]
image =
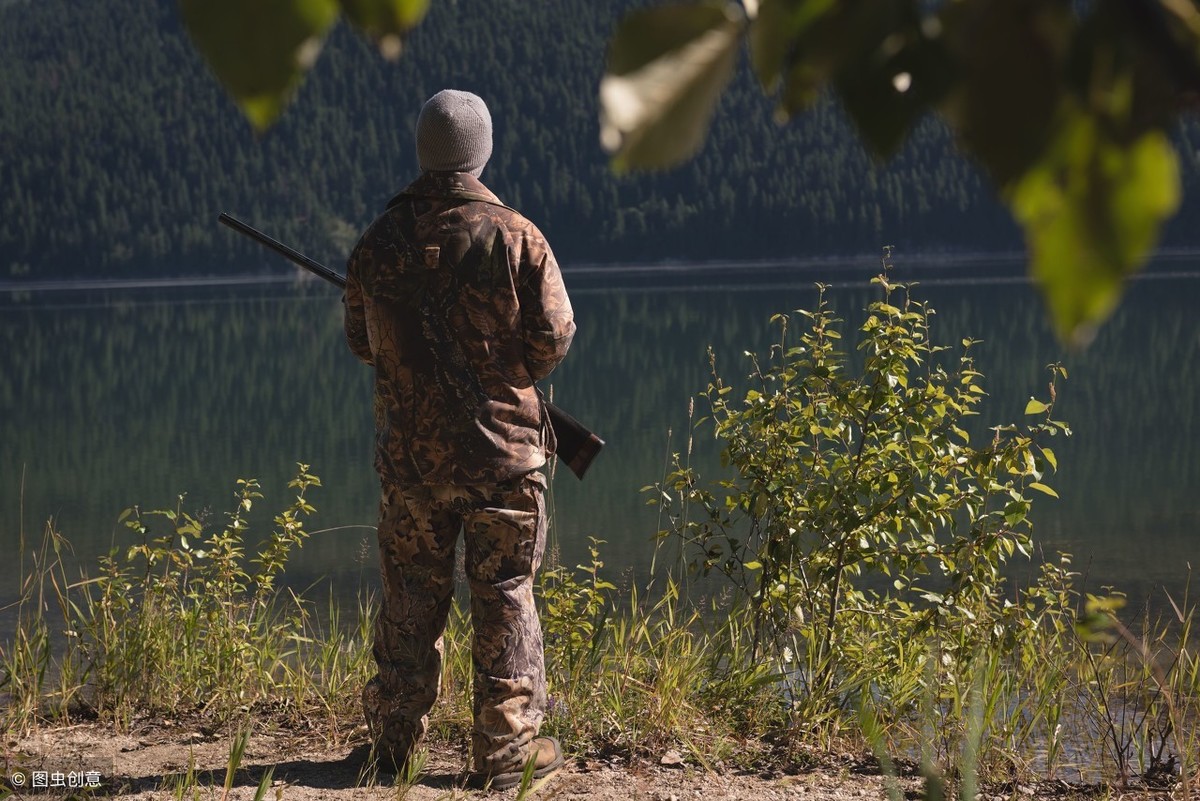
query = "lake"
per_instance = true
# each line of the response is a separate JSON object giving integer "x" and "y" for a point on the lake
{"x": 122, "y": 395}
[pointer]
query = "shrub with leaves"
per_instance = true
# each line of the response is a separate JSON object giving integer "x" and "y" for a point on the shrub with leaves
{"x": 183, "y": 618}
{"x": 863, "y": 527}
{"x": 575, "y": 607}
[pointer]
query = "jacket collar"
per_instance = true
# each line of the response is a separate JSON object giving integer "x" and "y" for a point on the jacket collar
{"x": 448, "y": 186}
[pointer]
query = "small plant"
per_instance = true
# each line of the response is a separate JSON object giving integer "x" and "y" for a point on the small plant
{"x": 1143, "y": 692}
{"x": 411, "y": 772}
{"x": 186, "y": 784}
{"x": 183, "y": 614}
{"x": 865, "y": 530}
{"x": 574, "y": 611}
{"x": 32, "y": 681}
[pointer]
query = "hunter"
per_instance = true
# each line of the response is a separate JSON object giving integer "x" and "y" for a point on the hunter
{"x": 457, "y": 302}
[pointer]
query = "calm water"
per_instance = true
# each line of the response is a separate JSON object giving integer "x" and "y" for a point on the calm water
{"x": 121, "y": 397}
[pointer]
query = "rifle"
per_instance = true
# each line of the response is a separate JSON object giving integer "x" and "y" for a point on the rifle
{"x": 577, "y": 445}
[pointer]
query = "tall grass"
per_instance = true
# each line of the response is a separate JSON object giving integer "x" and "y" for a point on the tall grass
{"x": 182, "y": 620}
{"x": 33, "y": 679}
{"x": 186, "y": 621}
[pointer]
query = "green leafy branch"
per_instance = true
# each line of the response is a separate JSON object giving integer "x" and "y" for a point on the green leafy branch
{"x": 1067, "y": 112}
{"x": 1065, "y": 106}
{"x": 859, "y": 503}
{"x": 260, "y": 50}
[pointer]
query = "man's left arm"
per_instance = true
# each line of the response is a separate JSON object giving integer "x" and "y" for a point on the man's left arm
{"x": 546, "y": 314}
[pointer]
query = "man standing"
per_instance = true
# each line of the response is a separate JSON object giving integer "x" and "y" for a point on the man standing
{"x": 458, "y": 304}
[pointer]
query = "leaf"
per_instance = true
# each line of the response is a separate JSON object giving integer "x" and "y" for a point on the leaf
{"x": 1015, "y": 512}
{"x": 1010, "y": 84}
{"x": 807, "y": 43}
{"x": 1131, "y": 66}
{"x": 259, "y": 50}
{"x": 1050, "y": 457}
{"x": 386, "y": 22}
{"x": 1040, "y": 487}
{"x": 902, "y": 70}
{"x": 1092, "y": 210}
{"x": 796, "y": 44}
{"x": 666, "y": 68}
{"x": 774, "y": 32}
{"x": 1100, "y": 615}
{"x": 1035, "y": 406}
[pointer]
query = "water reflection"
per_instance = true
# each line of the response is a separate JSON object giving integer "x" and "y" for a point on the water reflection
{"x": 119, "y": 398}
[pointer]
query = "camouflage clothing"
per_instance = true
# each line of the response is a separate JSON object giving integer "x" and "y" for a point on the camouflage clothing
{"x": 458, "y": 303}
{"x": 505, "y": 529}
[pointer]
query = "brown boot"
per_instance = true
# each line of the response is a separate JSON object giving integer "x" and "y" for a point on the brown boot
{"x": 544, "y": 752}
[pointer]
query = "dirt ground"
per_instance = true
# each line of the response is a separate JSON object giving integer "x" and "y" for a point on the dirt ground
{"x": 152, "y": 762}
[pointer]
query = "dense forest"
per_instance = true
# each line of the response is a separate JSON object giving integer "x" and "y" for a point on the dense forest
{"x": 118, "y": 150}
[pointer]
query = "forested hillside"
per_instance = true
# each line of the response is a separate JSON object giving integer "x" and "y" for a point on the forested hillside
{"x": 118, "y": 150}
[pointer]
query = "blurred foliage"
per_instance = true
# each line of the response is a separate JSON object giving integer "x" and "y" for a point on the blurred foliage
{"x": 1064, "y": 105}
{"x": 123, "y": 150}
{"x": 260, "y": 50}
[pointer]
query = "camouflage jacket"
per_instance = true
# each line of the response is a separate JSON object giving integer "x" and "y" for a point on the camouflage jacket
{"x": 458, "y": 303}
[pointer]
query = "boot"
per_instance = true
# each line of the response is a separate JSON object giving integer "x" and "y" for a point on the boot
{"x": 544, "y": 752}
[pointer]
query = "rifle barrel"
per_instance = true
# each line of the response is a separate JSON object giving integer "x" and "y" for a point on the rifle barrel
{"x": 294, "y": 256}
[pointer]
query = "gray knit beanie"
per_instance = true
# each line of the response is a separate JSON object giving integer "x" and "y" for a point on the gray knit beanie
{"x": 454, "y": 133}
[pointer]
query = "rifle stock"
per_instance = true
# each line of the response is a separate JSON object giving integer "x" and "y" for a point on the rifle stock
{"x": 577, "y": 445}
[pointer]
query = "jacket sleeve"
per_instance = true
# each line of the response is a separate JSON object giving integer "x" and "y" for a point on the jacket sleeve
{"x": 546, "y": 314}
{"x": 354, "y": 307}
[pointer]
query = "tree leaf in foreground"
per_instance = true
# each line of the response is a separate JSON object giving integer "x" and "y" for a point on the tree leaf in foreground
{"x": 891, "y": 87}
{"x": 1092, "y": 210}
{"x": 1010, "y": 56}
{"x": 386, "y": 22}
{"x": 259, "y": 50}
{"x": 666, "y": 68}
{"x": 887, "y": 68}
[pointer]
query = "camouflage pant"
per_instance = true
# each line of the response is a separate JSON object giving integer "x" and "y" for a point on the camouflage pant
{"x": 505, "y": 534}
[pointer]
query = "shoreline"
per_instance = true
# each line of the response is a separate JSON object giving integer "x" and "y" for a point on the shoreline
{"x": 177, "y": 759}
{"x": 937, "y": 262}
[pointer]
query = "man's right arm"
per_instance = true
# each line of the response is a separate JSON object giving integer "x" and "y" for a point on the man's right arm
{"x": 354, "y": 304}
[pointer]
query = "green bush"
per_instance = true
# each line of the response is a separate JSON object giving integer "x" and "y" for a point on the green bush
{"x": 866, "y": 533}
{"x": 184, "y": 619}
